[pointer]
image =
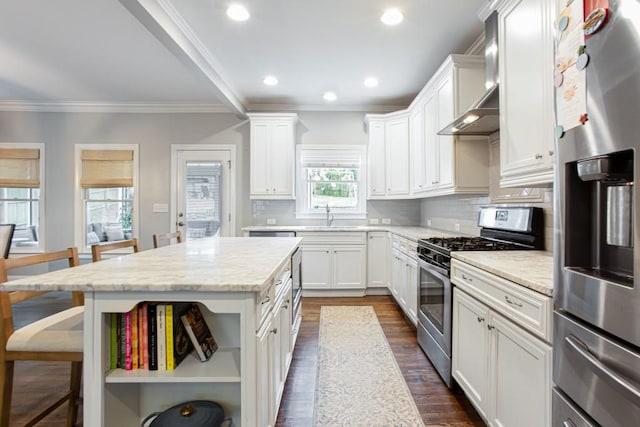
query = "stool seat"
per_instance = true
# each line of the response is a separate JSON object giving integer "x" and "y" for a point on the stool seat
{"x": 60, "y": 332}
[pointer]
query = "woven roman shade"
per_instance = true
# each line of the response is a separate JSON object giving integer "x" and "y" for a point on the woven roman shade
{"x": 106, "y": 168}
{"x": 20, "y": 167}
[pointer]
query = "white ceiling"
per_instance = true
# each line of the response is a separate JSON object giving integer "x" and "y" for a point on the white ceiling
{"x": 188, "y": 54}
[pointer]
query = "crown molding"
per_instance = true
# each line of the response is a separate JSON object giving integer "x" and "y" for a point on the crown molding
{"x": 477, "y": 47}
{"x": 325, "y": 107}
{"x": 162, "y": 19}
{"x": 110, "y": 107}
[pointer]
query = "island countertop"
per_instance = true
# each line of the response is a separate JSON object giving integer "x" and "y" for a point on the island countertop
{"x": 225, "y": 264}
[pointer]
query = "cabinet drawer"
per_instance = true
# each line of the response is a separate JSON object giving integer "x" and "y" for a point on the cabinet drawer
{"x": 264, "y": 304}
{"x": 527, "y": 308}
{"x": 333, "y": 238}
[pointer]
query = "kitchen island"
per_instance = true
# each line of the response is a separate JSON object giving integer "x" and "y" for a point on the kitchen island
{"x": 240, "y": 284}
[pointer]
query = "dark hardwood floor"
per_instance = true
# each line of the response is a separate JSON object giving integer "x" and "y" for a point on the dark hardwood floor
{"x": 437, "y": 404}
{"x": 36, "y": 383}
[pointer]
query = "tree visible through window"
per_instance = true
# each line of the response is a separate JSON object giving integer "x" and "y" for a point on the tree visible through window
{"x": 336, "y": 187}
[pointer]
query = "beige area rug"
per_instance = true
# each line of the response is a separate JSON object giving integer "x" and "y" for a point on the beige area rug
{"x": 359, "y": 382}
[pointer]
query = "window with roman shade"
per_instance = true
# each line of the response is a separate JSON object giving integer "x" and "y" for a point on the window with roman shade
{"x": 21, "y": 193}
{"x": 331, "y": 176}
{"x": 107, "y": 193}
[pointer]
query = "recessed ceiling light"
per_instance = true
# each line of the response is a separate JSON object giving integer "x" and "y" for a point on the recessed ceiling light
{"x": 371, "y": 82}
{"x": 392, "y": 16}
{"x": 330, "y": 96}
{"x": 270, "y": 80}
{"x": 237, "y": 12}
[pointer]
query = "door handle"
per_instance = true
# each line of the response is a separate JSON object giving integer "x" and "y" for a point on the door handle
{"x": 602, "y": 370}
{"x": 180, "y": 224}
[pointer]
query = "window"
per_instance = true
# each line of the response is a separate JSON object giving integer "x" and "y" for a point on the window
{"x": 331, "y": 176}
{"x": 21, "y": 194}
{"x": 107, "y": 196}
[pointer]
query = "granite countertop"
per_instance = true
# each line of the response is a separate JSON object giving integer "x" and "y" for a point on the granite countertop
{"x": 531, "y": 269}
{"x": 225, "y": 264}
{"x": 409, "y": 232}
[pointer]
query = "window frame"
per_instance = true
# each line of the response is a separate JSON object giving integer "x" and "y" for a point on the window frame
{"x": 41, "y": 201}
{"x": 303, "y": 210}
{"x": 80, "y": 202}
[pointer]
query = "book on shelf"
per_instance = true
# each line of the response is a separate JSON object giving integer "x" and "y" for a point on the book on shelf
{"x": 143, "y": 352}
{"x": 127, "y": 341}
{"x": 121, "y": 341}
{"x": 153, "y": 337}
{"x": 134, "y": 338}
{"x": 113, "y": 356}
{"x": 161, "y": 340}
{"x": 199, "y": 333}
{"x": 178, "y": 342}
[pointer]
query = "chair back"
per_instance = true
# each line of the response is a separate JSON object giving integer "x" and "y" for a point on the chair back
{"x": 98, "y": 249}
{"x": 8, "y": 298}
{"x": 158, "y": 239}
{"x": 6, "y": 235}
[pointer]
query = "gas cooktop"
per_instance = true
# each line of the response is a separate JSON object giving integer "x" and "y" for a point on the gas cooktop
{"x": 448, "y": 244}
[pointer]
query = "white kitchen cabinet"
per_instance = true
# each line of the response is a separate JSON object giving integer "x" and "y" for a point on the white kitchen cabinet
{"x": 397, "y": 146}
{"x": 264, "y": 378}
{"x": 334, "y": 261}
{"x": 404, "y": 276}
{"x": 377, "y": 260}
{"x": 388, "y": 155}
{"x": 526, "y": 66}
{"x": 498, "y": 358}
{"x": 377, "y": 179}
{"x": 417, "y": 150}
{"x": 272, "y": 156}
{"x": 454, "y": 164}
{"x": 412, "y": 289}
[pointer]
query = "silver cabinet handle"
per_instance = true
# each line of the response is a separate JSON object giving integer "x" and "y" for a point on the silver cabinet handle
{"x": 568, "y": 423}
{"x": 468, "y": 279}
{"x": 538, "y": 156}
{"x": 480, "y": 319}
{"x": 274, "y": 331}
{"x": 266, "y": 300}
{"x": 603, "y": 371}
{"x": 274, "y": 189}
{"x": 284, "y": 307}
{"x": 279, "y": 282}
{"x": 181, "y": 224}
{"x": 551, "y": 152}
{"x": 517, "y": 304}
{"x": 490, "y": 327}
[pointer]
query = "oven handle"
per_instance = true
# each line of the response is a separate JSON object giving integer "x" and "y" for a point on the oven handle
{"x": 434, "y": 269}
{"x": 602, "y": 370}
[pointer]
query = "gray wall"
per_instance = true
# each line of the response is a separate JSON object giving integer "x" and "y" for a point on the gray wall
{"x": 153, "y": 132}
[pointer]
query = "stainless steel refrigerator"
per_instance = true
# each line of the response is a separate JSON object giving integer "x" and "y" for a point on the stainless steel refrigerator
{"x": 596, "y": 369}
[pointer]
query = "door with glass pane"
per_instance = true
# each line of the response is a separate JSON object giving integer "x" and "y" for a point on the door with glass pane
{"x": 203, "y": 207}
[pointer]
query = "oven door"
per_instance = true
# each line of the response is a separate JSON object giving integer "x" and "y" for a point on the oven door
{"x": 434, "y": 300}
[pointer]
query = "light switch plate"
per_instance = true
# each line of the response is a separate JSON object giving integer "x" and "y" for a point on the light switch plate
{"x": 428, "y": 223}
{"x": 386, "y": 221}
{"x": 271, "y": 221}
{"x": 374, "y": 221}
{"x": 160, "y": 207}
{"x": 456, "y": 227}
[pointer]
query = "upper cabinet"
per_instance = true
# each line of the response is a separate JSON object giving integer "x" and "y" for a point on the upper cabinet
{"x": 408, "y": 156}
{"x": 272, "y": 156}
{"x": 526, "y": 46}
{"x": 388, "y": 156}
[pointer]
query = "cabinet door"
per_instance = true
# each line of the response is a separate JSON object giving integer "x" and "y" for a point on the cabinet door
{"x": 396, "y": 274}
{"x": 444, "y": 102}
{"x": 349, "y": 264}
{"x": 264, "y": 398}
{"x": 412, "y": 290}
{"x": 377, "y": 170}
{"x": 316, "y": 267}
{"x": 470, "y": 350}
{"x": 431, "y": 141}
{"x": 260, "y": 158}
{"x": 277, "y": 385}
{"x": 377, "y": 260}
{"x": 286, "y": 338}
{"x": 526, "y": 91}
{"x": 397, "y": 148}
{"x": 416, "y": 141}
{"x": 520, "y": 376}
{"x": 282, "y": 161}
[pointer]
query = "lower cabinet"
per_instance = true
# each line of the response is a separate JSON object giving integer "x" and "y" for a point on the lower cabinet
{"x": 334, "y": 260}
{"x": 377, "y": 260}
{"x": 504, "y": 370}
{"x": 404, "y": 276}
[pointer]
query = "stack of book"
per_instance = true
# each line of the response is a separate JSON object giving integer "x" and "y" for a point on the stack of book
{"x": 158, "y": 336}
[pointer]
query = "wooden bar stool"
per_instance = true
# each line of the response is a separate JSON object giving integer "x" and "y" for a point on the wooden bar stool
{"x": 98, "y": 249}
{"x": 57, "y": 338}
{"x": 6, "y": 235}
{"x": 159, "y": 239}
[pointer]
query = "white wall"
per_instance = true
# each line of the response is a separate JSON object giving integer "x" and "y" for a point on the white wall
{"x": 153, "y": 132}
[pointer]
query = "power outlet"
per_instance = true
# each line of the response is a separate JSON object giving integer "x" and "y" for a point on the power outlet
{"x": 456, "y": 227}
{"x": 374, "y": 221}
{"x": 428, "y": 223}
{"x": 386, "y": 221}
{"x": 271, "y": 221}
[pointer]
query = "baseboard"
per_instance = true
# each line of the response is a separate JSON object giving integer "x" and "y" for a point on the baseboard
{"x": 377, "y": 291}
{"x": 315, "y": 293}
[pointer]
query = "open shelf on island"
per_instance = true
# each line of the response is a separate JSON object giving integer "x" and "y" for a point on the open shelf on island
{"x": 223, "y": 367}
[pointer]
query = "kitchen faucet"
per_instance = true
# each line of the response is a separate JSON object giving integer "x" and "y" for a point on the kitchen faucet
{"x": 329, "y": 216}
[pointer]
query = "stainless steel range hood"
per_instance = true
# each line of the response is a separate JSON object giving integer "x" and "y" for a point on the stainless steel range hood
{"x": 483, "y": 117}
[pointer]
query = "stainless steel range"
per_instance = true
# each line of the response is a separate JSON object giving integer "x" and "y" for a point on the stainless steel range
{"x": 503, "y": 228}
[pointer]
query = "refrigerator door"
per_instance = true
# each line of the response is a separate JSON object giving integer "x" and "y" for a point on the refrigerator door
{"x": 599, "y": 375}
